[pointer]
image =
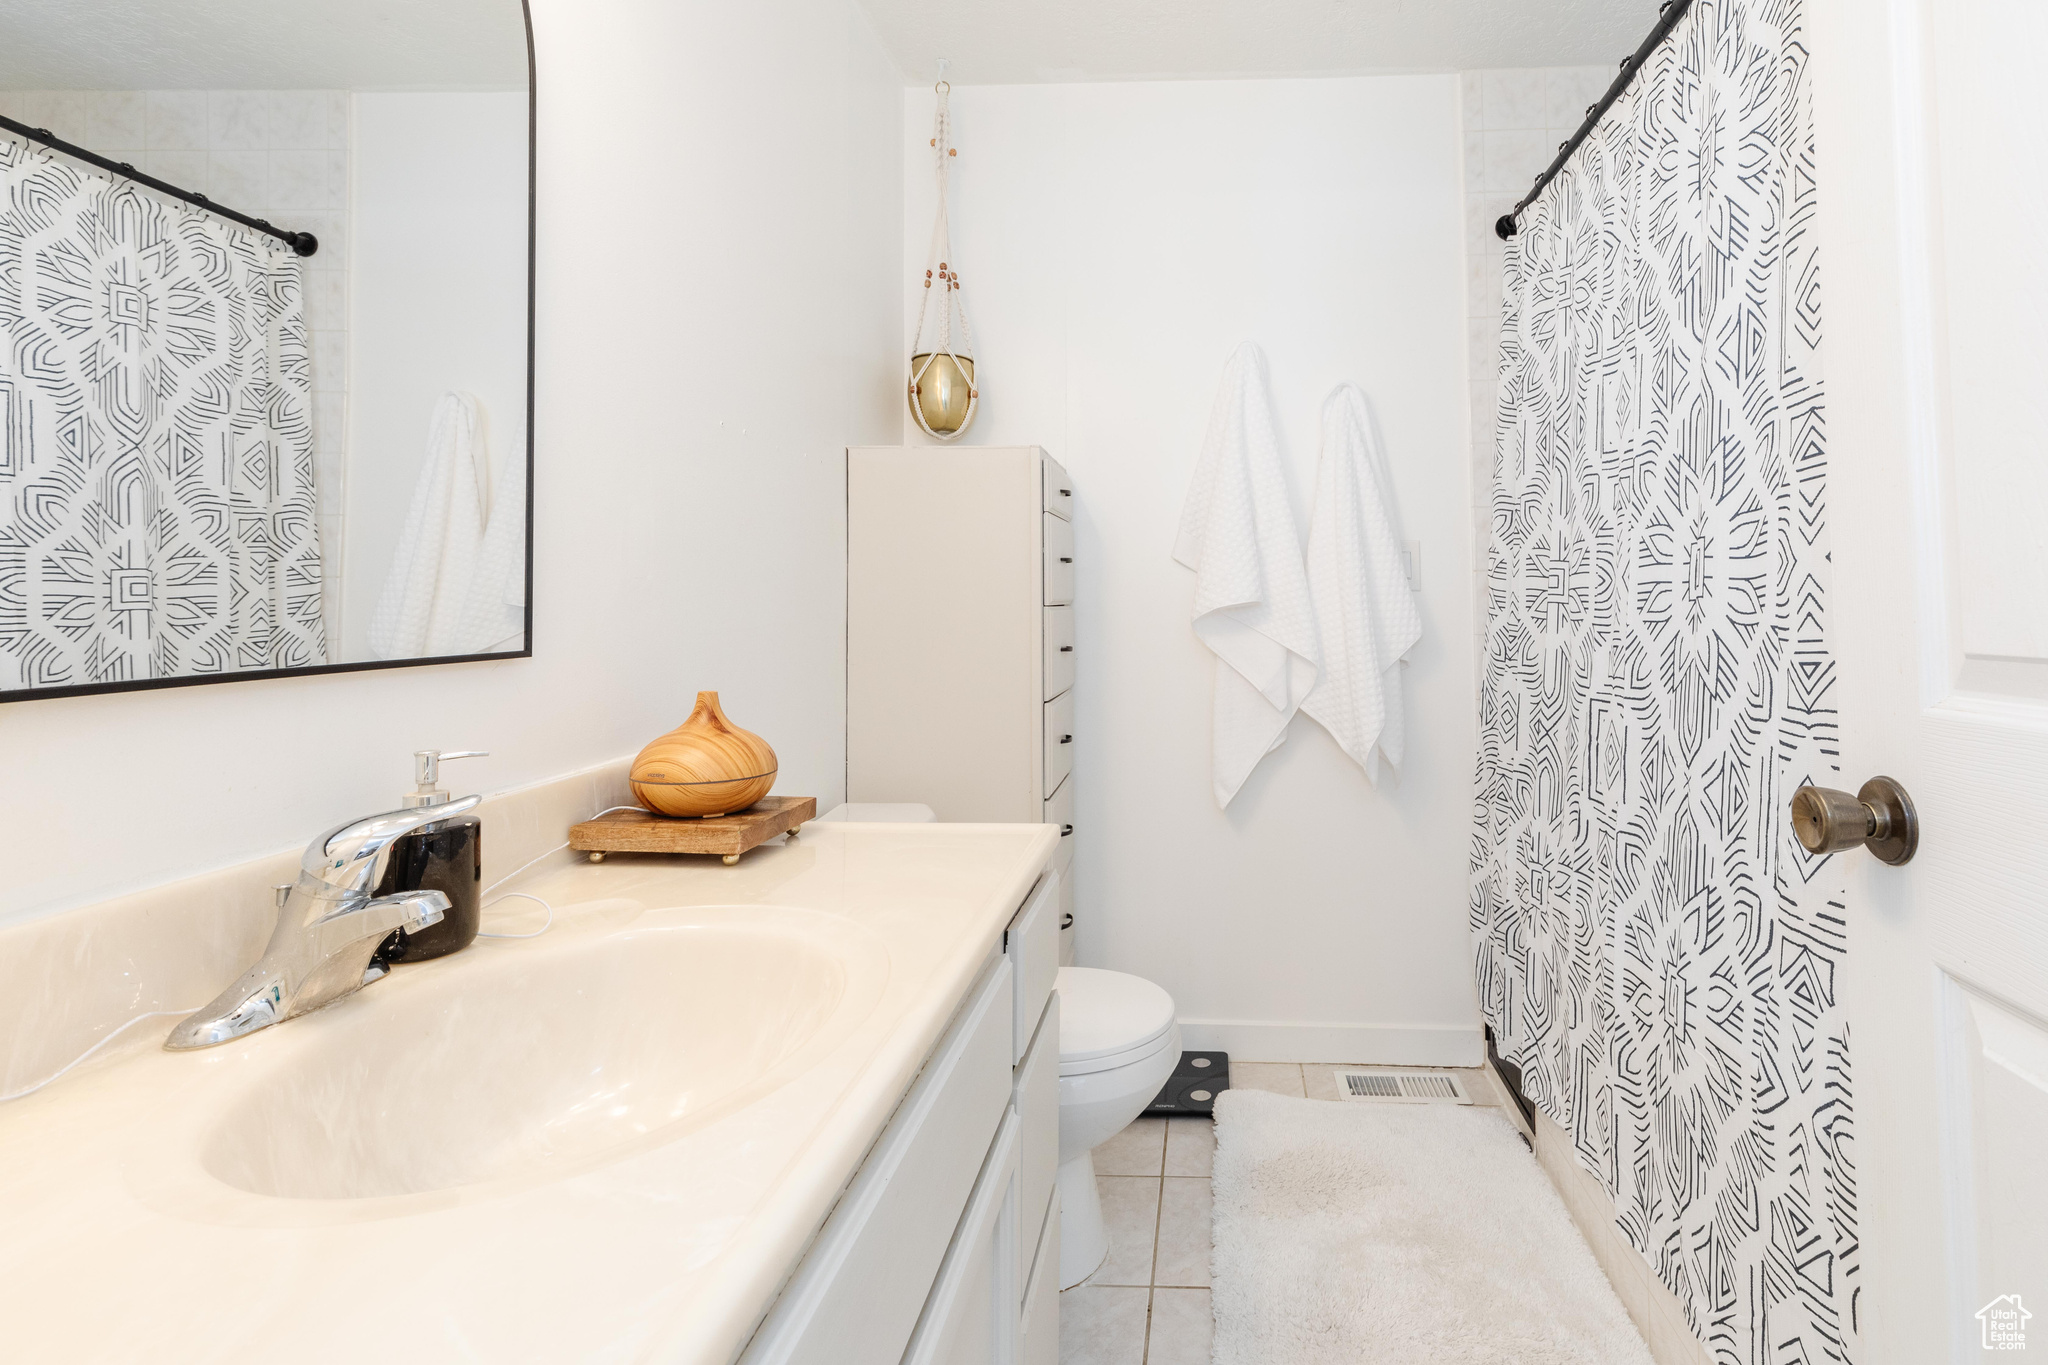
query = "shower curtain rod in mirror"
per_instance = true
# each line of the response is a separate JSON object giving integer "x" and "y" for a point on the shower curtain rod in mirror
{"x": 304, "y": 243}
{"x": 1668, "y": 15}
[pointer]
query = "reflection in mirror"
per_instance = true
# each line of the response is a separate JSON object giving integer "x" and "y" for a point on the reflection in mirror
{"x": 264, "y": 307}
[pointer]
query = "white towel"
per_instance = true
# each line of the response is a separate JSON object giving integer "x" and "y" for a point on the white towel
{"x": 1252, "y": 607}
{"x": 1366, "y": 616}
{"x": 448, "y": 589}
{"x": 493, "y": 616}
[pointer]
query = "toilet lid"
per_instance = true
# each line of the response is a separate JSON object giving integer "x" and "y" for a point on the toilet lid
{"x": 1105, "y": 1013}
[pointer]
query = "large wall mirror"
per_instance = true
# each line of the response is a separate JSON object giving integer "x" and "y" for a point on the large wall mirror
{"x": 265, "y": 338}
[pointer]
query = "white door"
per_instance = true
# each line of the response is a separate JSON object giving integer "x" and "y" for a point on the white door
{"x": 1933, "y": 185}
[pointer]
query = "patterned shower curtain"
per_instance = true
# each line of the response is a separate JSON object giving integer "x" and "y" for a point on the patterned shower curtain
{"x": 1653, "y": 948}
{"x": 156, "y": 456}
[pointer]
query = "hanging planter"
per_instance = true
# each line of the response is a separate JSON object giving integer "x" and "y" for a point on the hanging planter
{"x": 942, "y": 389}
{"x": 942, "y": 392}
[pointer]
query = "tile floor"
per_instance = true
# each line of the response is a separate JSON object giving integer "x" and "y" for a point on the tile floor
{"x": 1149, "y": 1303}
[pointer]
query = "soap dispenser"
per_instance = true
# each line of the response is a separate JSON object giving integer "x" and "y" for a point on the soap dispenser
{"x": 447, "y": 856}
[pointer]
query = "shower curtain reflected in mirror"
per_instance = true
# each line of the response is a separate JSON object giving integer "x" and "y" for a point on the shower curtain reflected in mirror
{"x": 156, "y": 460}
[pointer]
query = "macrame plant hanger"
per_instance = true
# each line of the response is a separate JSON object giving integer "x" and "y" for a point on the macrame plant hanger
{"x": 944, "y": 391}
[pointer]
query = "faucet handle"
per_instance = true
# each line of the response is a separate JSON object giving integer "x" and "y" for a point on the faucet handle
{"x": 347, "y": 860}
{"x": 417, "y": 909}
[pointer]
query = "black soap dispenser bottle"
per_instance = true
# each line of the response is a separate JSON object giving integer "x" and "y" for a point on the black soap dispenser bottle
{"x": 448, "y": 857}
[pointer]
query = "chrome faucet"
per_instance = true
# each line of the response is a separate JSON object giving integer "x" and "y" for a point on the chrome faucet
{"x": 329, "y": 928}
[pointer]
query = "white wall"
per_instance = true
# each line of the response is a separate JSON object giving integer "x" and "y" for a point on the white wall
{"x": 1116, "y": 242}
{"x": 437, "y": 221}
{"x": 690, "y": 490}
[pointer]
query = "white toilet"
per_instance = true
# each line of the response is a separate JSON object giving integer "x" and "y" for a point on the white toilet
{"x": 1119, "y": 1042}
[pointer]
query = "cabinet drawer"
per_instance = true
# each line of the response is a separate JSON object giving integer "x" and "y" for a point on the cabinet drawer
{"x": 1059, "y": 810}
{"x": 1059, "y": 489}
{"x": 1059, "y": 560}
{"x": 1059, "y": 741}
{"x": 971, "y": 1317}
{"x": 1038, "y": 1132}
{"x": 858, "y": 1294}
{"x": 1032, "y": 943}
{"x": 1059, "y": 651}
{"x": 1039, "y": 1336}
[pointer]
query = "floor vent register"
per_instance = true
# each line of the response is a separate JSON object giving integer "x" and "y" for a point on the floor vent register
{"x": 1402, "y": 1087}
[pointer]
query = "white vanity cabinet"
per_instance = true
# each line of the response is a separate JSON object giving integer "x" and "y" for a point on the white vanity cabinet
{"x": 944, "y": 1247}
{"x": 960, "y": 636}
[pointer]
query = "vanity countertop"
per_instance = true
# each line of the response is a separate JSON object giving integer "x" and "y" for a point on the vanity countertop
{"x": 248, "y": 1198}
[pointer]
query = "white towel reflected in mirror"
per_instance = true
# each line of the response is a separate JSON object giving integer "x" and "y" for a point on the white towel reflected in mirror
{"x": 458, "y": 580}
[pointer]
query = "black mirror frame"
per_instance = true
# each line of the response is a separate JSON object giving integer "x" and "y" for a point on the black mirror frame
{"x": 256, "y": 675}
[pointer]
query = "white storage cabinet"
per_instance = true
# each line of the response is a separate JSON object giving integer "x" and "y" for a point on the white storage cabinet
{"x": 960, "y": 636}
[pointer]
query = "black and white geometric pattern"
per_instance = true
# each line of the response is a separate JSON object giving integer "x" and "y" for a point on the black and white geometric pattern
{"x": 156, "y": 457}
{"x": 1654, "y": 949}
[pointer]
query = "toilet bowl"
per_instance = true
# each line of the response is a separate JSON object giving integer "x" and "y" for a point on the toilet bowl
{"x": 1119, "y": 1042}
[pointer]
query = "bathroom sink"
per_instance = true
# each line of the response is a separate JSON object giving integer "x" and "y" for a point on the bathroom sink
{"x": 540, "y": 1063}
{"x": 613, "y": 1140}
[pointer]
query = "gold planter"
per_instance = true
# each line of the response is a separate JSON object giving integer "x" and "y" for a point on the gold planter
{"x": 939, "y": 392}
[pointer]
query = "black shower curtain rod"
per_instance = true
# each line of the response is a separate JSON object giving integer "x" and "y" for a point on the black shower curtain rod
{"x": 305, "y": 243}
{"x": 1668, "y": 15}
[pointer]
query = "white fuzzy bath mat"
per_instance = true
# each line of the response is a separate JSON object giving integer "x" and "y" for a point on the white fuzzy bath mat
{"x": 1398, "y": 1235}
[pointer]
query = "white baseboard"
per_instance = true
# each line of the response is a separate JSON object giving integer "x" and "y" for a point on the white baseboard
{"x": 1262, "y": 1040}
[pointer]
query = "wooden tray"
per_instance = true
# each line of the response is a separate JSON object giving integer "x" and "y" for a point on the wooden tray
{"x": 727, "y": 836}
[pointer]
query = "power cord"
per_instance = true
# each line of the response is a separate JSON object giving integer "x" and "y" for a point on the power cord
{"x": 525, "y": 895}
{"x": 153, "y": 1014}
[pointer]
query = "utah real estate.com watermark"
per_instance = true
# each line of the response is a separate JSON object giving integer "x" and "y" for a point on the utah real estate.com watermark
{"x": 2005, "y": 1323}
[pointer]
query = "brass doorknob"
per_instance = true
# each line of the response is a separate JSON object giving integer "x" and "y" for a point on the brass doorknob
{"x": 1879, "y": 817}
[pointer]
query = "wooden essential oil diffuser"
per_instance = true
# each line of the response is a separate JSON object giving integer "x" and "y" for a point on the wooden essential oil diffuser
{"x": 705, "y": 766}
{"x": 705, "y": 787}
